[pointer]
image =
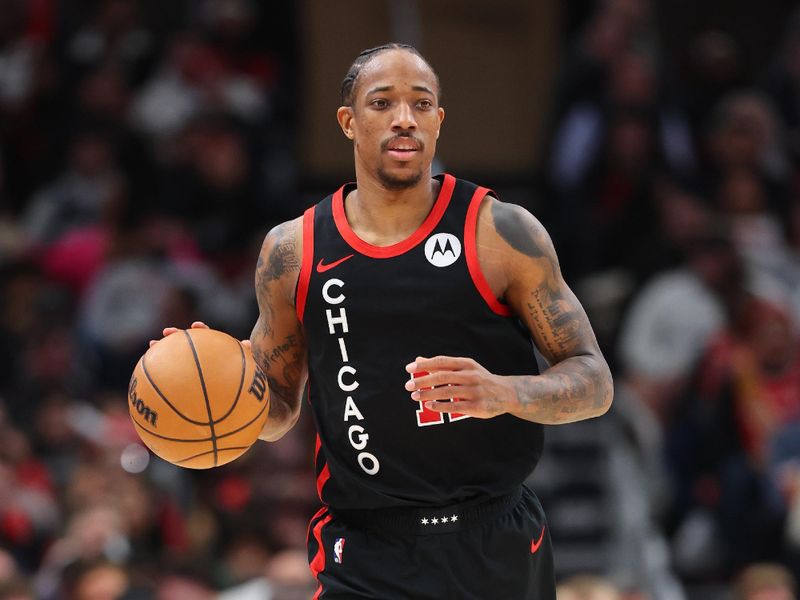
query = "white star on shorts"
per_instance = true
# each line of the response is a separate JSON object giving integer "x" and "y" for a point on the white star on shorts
{"x": 454, "y": 518}
{"x": 435, "y": 521}
{"x": 425, "y": 521}
{"x": 445, "y": 519}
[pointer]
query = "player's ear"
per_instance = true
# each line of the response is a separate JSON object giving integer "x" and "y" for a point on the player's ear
{"x": 345, "y": 117}
{"x": 441, "y": 118}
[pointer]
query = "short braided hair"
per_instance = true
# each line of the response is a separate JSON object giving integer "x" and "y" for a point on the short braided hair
{"x": 364, "y": 57}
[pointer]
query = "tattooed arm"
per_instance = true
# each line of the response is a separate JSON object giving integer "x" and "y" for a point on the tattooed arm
{"x": 520, "y": 265}
{"x": 277, "y": 339}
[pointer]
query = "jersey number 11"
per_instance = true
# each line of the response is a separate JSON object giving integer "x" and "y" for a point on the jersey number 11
{"x": 426, "y": 416}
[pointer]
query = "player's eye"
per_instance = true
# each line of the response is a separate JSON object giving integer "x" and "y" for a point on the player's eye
{"x": 379, "y": 103}
{"x": 425, "y": 104}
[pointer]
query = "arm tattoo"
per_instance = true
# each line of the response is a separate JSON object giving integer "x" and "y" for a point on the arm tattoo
{"x": 578, "y": 384}
{"x": 277, "y": 339}
{"x": 287, "y": 359}
{"x": 573, "y": 387}
{"x": 508, "y": 225}
{"x": 559, "y": 328}
{"x": 282, "y": 258}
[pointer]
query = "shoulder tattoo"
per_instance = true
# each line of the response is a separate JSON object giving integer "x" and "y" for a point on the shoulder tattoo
{"x": 515, "y": 231}
{"x": 282, "y": 257}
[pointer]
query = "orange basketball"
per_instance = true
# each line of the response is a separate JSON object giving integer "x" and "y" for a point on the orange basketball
{"x": 198, "y": 399}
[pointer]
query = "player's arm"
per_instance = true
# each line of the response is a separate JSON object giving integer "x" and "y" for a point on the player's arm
{"x": 277, "y": 339}
{"x": 520, "y": 263}
{"x": 578, "y": 383}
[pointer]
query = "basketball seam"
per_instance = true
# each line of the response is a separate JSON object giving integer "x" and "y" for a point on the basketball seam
{"x": 239, "y": 391}
{"x": 208, "y": 439}
{"x": 164, "y": 398}
{"x": 205, "y": 395}
{"x": 183, "y": 460}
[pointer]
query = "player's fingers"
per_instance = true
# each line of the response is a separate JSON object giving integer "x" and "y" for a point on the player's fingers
{"x": 168, "y": 331}
{"x": 445, "y": 392}
{"x": 439, "y": 363}
{"x": 247, "y": 344}
{"x": 472, "y": 408}
{"x": 421, "y": 380}
{"x": 447, "y": 406}
{"x": 199, "y": 325}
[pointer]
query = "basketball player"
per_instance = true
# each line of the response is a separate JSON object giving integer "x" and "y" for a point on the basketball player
{"x": 409, "y": 305}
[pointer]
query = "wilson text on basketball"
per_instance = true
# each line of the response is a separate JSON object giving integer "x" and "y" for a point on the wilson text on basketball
{"x": 148, "y": 414}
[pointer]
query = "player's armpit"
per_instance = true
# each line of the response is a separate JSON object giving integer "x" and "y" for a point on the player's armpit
{"x": 277, "y": 339}
{"x": 578, "y": 384}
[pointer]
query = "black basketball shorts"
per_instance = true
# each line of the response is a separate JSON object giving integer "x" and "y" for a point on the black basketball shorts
{"x": 496, "y": 550}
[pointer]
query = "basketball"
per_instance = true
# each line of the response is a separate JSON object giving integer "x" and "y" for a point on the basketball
{"x": 198, "y": 399}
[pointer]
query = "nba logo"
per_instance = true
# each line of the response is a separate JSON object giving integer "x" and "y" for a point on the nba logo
{"x": 338, "y": 549}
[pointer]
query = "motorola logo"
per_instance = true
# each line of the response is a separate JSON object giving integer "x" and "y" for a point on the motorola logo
{"x": 442, "y": 249}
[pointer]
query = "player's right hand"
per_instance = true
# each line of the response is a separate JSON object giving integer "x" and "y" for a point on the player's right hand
{"x": 195, "y": 325}
{"x": 170, "y": 330}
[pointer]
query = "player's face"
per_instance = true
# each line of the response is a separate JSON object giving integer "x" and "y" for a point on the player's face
{"x": 395, "y": 119}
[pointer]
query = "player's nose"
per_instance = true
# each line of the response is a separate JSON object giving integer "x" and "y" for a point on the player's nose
{"x": 404, "y": 117}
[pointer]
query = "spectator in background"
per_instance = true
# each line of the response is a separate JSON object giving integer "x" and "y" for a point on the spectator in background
{"x": 744, "y": 133}
{"x": 673, "y": 318}
{"x": 757, "y": 363}
{"x": 30, "y": 108}
{"x": 35, "y": 345}
{"x": 615, "y": 27}
{"x": 756, "y": 228}
{"x": 782, "y": 84}
{"x": 253, "y": 71}
{"x": 16, "y": 589}
{"x": 102, "y": 100}
{"x": 29, "y": 510}
{"x": 211, "y": 189}
{"x": 606, "y": 156}
{"x": 181, "y": 583}
{"x": 153, "y": 272}
{"x": 78, "y": 195}
{"x": 711, "y": 69}
{"x": 193, "y": 80}
{"x": 18, "y": 55}
{"x": 587, "y": 587}
{"x": 745, "y": 391}
{"x": 85, "y": 233}
{"x": 113, "y": 34}
{"x": 765, "y": 581}
{"x": 95, "y": 580}
{"x": 13, "y": 584}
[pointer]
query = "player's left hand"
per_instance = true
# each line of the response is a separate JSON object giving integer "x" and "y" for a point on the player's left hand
{"x": 479, "y": 393}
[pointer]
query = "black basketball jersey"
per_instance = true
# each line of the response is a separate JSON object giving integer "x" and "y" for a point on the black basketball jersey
{"x": 367, "y": 312}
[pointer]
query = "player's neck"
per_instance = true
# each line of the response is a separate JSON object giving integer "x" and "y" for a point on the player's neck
{"x": 384, "y": 217}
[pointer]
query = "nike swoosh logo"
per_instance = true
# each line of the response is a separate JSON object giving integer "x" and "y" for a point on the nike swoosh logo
{"x": 321, "y": 268}
{"x": 535, "y": 544}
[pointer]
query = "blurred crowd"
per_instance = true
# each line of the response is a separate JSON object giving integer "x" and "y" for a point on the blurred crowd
{"x": 146, "y": 148}
{"x": 672, "y": 189}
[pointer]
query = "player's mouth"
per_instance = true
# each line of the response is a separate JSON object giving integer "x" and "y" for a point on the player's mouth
{"x": 402, "y": 148}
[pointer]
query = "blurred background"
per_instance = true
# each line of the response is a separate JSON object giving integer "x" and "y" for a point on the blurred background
{"x": 147, "y": 147}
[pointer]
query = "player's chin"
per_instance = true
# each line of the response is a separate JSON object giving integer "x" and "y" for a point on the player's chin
{"x": 402, "y": 176}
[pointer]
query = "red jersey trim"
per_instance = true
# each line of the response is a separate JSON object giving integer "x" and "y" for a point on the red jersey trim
{"x": 317, "y": 564}
{"x": 422, "y": 232}
{"x": 308, "y": 263}
{"x": 322, "y": 479}
{"x": 324, "y": 474}
{"x": 471, "y": 254}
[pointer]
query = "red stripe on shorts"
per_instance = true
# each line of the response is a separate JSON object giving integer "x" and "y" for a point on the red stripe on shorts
{"x": 318, "y": 562}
